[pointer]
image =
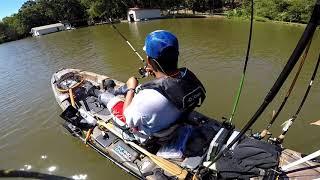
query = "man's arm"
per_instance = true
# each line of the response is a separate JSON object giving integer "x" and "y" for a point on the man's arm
{"x": 132, "y": 83}
{"x": 128, "y": 99}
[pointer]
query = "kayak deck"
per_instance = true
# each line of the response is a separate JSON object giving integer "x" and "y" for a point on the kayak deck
{"x": 133, "y": 161}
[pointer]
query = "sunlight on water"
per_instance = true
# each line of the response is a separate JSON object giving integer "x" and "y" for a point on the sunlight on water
{"x": 52, "y": 169}
{"x": 26, "y": 167}
{"x": 79, "y": 176}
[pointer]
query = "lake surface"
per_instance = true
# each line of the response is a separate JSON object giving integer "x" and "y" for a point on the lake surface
{"x": 214, "y": 49}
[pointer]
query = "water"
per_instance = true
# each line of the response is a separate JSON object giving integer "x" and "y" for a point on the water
{"x": 212, "y": 48}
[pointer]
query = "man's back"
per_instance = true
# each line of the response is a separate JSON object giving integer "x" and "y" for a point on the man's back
{"x": 151, "y": 112}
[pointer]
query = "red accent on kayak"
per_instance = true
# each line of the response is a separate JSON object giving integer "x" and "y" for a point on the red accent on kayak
{"x": 117, "y": 111}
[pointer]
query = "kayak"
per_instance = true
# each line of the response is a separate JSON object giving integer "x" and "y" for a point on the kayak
{"x": 182, "y": 151}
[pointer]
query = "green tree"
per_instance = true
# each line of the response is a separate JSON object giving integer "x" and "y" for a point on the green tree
{"x": 64, "y": 10}
{"x": 14, "y": 29}
{"x": 103, "y": 9}
{"x": 2, "y": 32}
{"x": 299, "y": 11}
{"x": 32, "y": 16}
{"x": 280, "y": 10}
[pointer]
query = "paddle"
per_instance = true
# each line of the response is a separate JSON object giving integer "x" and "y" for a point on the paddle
{"x": 300, "y": 161}
{"x": 164, "y": 164}
{"x": 89, "y": 132}
{"x": 72, "y": 98}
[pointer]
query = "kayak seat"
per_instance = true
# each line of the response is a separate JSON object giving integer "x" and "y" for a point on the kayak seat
{"x": 154, "y": 142}
{"x": 166, "y": 132}
{"x": 164, "y": 136}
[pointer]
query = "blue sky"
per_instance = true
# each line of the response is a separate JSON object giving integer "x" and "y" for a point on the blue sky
{"x": 8, "y": 7}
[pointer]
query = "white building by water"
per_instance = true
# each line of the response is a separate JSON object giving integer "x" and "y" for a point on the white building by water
{"x": 137, "y": 14}
{"x": 51, "y": 28}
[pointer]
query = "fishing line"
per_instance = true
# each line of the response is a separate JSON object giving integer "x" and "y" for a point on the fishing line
{"x": 237, "y": 98}
{"x": 127, "y": 41}
{"x": 274, "y": 116}
{"x": 289, "y": 122}
{"x": 142, "y": 71}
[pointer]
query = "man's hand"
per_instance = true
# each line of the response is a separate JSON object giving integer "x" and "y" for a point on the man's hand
{"x": 132, "y": 83}
{"x": 150, "y": 71}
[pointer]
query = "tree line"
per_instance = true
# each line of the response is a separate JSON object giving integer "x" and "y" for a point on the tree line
{"x": 35, "y": 13}
{"x": 297, "y": 11}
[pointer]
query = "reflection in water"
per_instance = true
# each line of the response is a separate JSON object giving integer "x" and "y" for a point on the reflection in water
{"x": 213, "y": 49}
{"x": 26, "y": 167}
{"x": 79, "y": 176}
{"x": 51, "y": 169}
{"x": 134, "y": 29}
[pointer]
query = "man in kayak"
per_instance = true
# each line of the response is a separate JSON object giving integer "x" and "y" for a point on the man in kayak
{"x": 157, "y": 104}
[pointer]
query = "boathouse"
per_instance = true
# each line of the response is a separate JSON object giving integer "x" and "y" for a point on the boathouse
{"x": 138, "y": 14}
{"x": 51, "y": 28}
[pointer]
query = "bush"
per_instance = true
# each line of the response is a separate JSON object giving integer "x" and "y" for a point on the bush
{"x": 285, "y": 10}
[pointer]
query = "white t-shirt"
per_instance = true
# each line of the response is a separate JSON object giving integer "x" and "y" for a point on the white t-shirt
{"x": 150, "y": 112}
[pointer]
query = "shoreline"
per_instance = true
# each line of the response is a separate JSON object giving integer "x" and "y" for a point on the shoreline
{"x": 224, "y": 16}
{"x": 196, "y": 16}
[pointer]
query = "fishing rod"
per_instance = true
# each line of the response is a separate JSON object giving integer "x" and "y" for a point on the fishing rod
{"x": 305, "y": 38}
{"x": 275, "y": 114}
{"x": 289, "y": 122}
{"x": 228, "y": 127}
{"x": 237, "y": 98}
{"x": 142, "y": 70}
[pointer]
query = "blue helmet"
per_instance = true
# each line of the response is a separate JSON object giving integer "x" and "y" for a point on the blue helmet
{"x": 161, "y": 44}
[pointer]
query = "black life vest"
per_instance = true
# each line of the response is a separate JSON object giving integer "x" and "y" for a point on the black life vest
{"x": 185, "y": 92}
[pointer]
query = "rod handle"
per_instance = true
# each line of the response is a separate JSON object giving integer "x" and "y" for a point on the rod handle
{"x": 280, "y": 138}
{"x": 264, "y": 133}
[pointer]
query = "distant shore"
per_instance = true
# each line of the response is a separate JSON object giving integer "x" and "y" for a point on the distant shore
{"x": 191, "y": 15}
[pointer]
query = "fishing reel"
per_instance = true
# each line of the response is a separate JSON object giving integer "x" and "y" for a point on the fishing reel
{"x": 143, "y": 72}
{"x": 261, "y": 135}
